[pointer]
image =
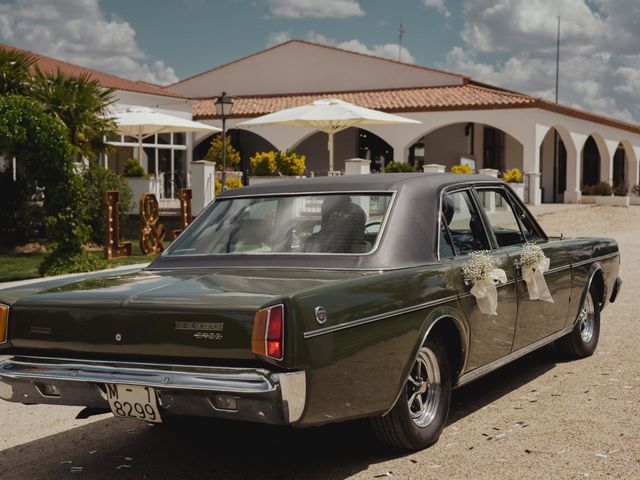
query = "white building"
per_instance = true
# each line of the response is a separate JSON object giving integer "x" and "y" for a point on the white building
{"x": 561, "y": 149}
{"x": 460, "y": 118}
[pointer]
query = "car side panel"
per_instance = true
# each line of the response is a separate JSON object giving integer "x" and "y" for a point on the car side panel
{"x": 587, "y": 255}
{"x": 358, "y": 371}
{"x": 538, "y": 319}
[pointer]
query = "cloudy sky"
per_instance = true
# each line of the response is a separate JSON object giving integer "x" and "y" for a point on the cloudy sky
{"x": 509, "y": 43}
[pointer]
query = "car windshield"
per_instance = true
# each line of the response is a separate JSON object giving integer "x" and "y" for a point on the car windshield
{"x": 302, "y": 224}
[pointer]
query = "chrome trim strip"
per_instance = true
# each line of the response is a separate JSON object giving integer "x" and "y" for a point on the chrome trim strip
{"x": 387, "y": 214}
{"x": 490, "y": 367}
{"x": 557, "y": 269}
{"x": 376, "y": 318}
{"x": 209, "y": 378}
{"x": 595, "y": 259}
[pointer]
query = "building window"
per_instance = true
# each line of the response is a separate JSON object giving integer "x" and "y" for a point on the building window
{"x": 493, "y": 149}
{"x": 619, "y": 167}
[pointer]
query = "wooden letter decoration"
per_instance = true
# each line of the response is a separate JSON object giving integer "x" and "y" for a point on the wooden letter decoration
{"x": 112, "y": 246}
{"x": 151, "y": 234}
{"x": 185, "y": 211}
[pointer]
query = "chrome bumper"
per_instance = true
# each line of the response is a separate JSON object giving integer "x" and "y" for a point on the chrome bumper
{"x": 260, "y": 395}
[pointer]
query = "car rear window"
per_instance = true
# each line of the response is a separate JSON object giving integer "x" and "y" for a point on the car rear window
{"x": 345, "y": 223}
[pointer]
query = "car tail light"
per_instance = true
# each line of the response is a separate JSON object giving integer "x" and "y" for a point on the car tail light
{"x": 4, "y": 323}
{"x": 268, "y": 332}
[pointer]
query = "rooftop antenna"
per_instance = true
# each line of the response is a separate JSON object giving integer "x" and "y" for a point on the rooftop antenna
{"x": 401, "y": 32}
{"x": 558, "y": 59}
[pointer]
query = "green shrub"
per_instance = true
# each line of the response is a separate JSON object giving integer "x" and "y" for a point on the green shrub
{"x": 214, "y": 154}
{"x": 466, "y": 169}
{"x": 132, "y": 168}
{"x": 621, "y": 190}
{"x": 600, "y": 188}
{"x": 274, "y": 163}
{"x": 98, "y": 180}
{"x": 512, "y": 176}
{"x": 393, "y": 167}
{"x": 61, "y": 263}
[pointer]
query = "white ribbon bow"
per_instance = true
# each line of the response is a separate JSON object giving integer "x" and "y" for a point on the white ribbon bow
{"x": 484, "y": 289}
{"x": 533, "y": 275}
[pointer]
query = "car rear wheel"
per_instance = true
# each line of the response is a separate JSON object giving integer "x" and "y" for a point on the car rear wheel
{"x": 583, "y": 339}
{"x": 420, "y": 414}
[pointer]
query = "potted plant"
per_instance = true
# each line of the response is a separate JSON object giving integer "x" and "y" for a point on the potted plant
{"x": 515, "y": 180}
{"x": 603, "y": 194}
{"x": 270, "y": 166}
{"x": 464, "y": 169}
{"x": 139, "y": 181}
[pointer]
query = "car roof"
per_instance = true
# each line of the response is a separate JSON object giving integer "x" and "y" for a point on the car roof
{"x": 346, "y": 183}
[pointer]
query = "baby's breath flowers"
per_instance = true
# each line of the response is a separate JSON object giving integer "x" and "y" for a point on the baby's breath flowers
{"x": 479, "y": 266}
{"x": 534, "y": 263}
{"x": 532, "y": 255}
{"x": 481, "y": 269}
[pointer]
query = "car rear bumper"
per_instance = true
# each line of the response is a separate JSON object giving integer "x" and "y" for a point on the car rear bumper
{"x": 258, "y": 395}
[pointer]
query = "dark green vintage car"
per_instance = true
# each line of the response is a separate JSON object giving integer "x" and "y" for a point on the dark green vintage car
{"x": 306, "y": 302}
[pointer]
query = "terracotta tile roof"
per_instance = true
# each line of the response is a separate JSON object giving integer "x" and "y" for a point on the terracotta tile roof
{"x": 48, "y": 64}
{"x": 461, "y": 97}
{"x": 471, "y": 96}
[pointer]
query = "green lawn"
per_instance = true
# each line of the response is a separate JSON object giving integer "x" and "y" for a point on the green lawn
{"x": 24, "y": 266}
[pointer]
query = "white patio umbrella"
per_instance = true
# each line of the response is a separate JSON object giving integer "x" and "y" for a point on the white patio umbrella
{"x": 328, "y": 115}
{"x": 142, "y": 122}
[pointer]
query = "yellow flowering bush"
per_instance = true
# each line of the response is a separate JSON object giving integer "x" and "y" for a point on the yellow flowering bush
{"x": 264, "y": 163}
{"x": 461, "y": 169}
{"x": 230, "y": 182}
{"x": 512, "y": 176}
{"x": 273, "y": 163}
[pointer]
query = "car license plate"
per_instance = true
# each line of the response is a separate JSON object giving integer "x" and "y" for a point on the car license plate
{"x": 134, "y": 401}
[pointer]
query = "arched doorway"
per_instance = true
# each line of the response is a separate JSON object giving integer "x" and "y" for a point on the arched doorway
{"x": 350, "y": 143}
{"x": 475, "y": 144}
{"x": 620, "y": 167}
{"x": 245, "y": 142}
{"x": 553, "y": 167}
{"x": 591, "y": 160}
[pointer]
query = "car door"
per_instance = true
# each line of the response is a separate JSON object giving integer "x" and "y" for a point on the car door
{"x": 511, "y": 225}
{"x": 462, "y": 231}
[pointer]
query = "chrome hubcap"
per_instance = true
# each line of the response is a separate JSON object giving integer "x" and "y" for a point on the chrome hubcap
{"x": 586, "y": 320}
{"x": 423, "y": 388}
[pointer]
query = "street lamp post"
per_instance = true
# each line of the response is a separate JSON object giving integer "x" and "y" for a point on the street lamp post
{"x": 223, "y": 110}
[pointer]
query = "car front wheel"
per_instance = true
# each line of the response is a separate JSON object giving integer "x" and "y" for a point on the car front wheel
{"x": 420, "y": 414}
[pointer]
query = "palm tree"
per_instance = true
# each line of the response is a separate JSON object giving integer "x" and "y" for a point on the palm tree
{"x": 15, "y": 71}
{"x": 81, "y": 103}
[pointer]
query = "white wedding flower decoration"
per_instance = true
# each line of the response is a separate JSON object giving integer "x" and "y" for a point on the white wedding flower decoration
{"x": 481, "y": 269}
{"x": 534, "y": 263}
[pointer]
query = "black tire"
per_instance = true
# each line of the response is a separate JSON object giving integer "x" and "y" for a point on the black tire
{"x": 402, "y": 427}
{"x": 583, "y": 339}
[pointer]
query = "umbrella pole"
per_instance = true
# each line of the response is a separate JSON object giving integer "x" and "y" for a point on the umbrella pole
{"x": 330, "y": 152}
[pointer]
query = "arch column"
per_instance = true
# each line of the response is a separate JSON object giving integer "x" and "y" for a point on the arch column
{"x": 400, "y": 152}
{"x": 606, "y": 161}
{"x": 633, "y": 157}
{"x": 573, "y": 193}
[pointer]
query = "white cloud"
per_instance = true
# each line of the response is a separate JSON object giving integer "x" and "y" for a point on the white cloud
{"x": 438, "y": 5}
{"x": 314, "y": 8}
{"x": 277, "y": 38}
{"x": 512, "y": 43}
{"x": 385, "y": 50}
{"x": 79, "y": 32}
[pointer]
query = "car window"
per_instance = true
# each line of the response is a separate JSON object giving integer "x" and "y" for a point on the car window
{"x": 502, "y": 219}
{"x": 527, "y": 224}
{"x": 302, "y": 224}
{"x": 462, "y": 224}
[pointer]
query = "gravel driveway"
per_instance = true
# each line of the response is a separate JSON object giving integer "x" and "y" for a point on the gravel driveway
{"x": 541, "y": 417}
